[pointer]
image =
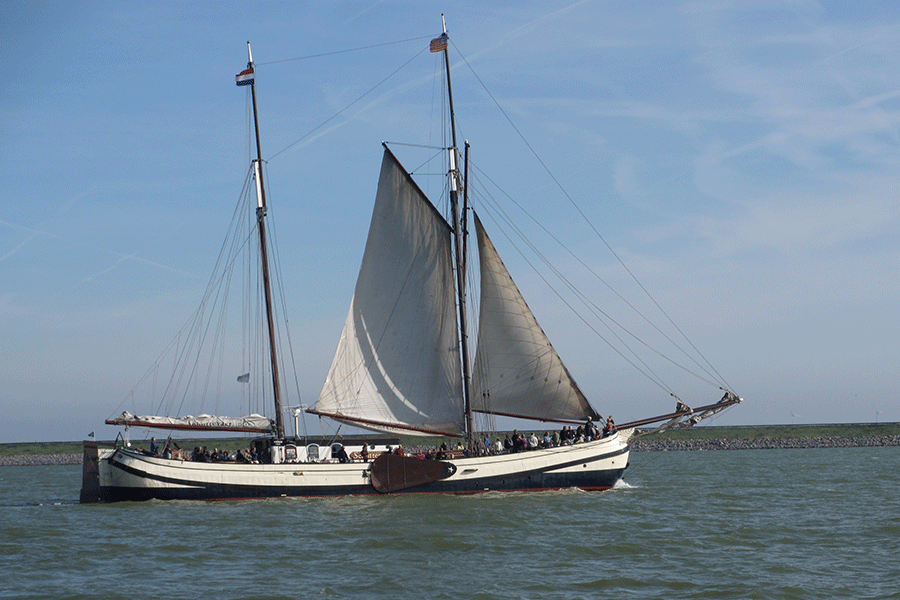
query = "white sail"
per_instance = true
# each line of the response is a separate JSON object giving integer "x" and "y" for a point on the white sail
{"x": 397, "y": 364}
{"x": 517, "y": 371}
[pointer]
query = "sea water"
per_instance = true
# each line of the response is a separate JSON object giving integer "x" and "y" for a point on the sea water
{"x": 814, "y": 523}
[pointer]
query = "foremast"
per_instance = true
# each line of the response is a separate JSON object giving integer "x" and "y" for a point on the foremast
{"x": 459, "y": 238}
{"x": 247, "y": 77}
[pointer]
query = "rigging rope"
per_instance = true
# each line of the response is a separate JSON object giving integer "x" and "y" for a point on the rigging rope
{"x": 279, "y": 281}
{"x": 584, "y": 299}
{"x": 283, "y": 60}
{"x": 335, "y": 115}
{"x": 188, "y": 337}
{"x": 581, "y": 212}
{"x": 654, "y": 378}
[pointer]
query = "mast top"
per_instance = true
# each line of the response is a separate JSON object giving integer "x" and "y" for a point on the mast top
{"x": 249, "y": 54}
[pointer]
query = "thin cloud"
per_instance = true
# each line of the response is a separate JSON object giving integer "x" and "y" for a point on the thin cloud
{"x": 123, "y": 258}
{"x": 17, "y": 248}
{"x": 34, "y": 233}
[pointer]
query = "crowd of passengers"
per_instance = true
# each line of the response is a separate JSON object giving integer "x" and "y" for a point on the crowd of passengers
{"x": 243, "y": 455}
{"x": 202, "y": 454}
{"x": 566, "y": 436}
{"x": 514, "y": 442}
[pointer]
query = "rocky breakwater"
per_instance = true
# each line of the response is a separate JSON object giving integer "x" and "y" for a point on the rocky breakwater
{"x": 30, "y": 460}
{"x": 764, "y": 443}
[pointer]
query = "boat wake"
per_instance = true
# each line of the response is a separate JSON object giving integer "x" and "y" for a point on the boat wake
{"x": 621, "y": 484}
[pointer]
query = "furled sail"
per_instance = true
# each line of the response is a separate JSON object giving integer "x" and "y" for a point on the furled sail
{"x": 249, "y": 423}
{"x": 397, "y": 364}
{"x": 517, "y": 371}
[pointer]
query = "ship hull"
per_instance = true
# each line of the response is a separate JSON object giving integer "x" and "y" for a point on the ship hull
{"x": 114, "y": 475}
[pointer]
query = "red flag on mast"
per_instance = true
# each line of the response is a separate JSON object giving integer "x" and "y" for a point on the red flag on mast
{"x": 245, "y": 77}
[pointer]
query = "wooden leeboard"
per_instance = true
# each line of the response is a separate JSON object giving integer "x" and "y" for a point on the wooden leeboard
{"x": 392, "y": 473}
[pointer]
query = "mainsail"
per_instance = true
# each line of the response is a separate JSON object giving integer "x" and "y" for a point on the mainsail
{"x": 397, "y": 364}
{"x": 517, "y": 371}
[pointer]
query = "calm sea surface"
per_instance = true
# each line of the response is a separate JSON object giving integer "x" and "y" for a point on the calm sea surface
{"x": 817, "y": 523}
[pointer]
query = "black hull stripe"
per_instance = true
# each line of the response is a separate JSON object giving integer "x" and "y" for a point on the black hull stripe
{"x": 600, "y": 481}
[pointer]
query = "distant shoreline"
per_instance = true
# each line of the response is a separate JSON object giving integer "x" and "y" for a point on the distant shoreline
{"x": 764, "y": 443}
{"x": 31, "y": 460}
{"x": 638, "y": 445}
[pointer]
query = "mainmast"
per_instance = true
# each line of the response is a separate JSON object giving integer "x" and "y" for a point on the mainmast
{"x": 247, "y": 77}
{"x": 438, "y": 45}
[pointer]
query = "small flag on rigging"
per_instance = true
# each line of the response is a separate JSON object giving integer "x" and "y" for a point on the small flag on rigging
{"x": 439, "y": 44}
{"x": 245, "y": 378}
{"x": 245, "y": 77}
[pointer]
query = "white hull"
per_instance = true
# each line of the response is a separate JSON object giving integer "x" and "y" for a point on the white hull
{"x": 123, "y": 474}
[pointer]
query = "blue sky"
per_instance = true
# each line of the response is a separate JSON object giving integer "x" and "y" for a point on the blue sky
{"x": 741, "y": 158}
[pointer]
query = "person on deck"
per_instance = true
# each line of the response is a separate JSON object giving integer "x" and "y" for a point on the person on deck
{"x": 610, "y": 427}
{"x": 167, "y": 449}
{"x": 154, "y": 447}
{"x": 518, "y": 441}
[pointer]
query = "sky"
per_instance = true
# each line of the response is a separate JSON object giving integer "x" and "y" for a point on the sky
{"x": 741, "y": 158}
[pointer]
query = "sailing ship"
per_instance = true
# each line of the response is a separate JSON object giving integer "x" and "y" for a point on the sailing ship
{"x": 401, "y": 368}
